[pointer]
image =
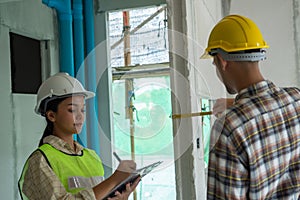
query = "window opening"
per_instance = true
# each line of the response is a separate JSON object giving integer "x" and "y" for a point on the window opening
{"x": 25, "y": 64}
{"x": 142, "y": 96}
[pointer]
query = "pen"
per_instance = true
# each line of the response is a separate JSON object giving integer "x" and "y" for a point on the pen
{"x": 117, "y": 157}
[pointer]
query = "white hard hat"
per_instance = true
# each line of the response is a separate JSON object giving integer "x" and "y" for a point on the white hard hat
{"x": 59, "y": 85}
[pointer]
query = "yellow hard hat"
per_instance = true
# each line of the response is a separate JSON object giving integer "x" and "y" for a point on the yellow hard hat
{"x": 235, "y": 33}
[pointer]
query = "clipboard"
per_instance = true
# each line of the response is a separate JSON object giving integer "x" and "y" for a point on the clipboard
{"x": 130, "y": 179}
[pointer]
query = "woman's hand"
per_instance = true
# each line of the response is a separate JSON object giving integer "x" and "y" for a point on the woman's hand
{"x": 129, "y": 189}
{"x": 127, "y": 166}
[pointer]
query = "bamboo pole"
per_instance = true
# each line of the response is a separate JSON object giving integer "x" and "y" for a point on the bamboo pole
{"x": 129, "y": 84}
{"x": 139, "y": 26}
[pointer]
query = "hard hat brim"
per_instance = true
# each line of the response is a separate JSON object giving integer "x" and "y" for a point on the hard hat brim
{"x": 205, "y": 55}
{"x": 86, "y": 94}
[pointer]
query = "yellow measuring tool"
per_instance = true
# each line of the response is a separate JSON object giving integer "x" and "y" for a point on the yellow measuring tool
{"x": 191, "y": 114}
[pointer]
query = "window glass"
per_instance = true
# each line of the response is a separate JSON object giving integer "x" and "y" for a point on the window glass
{"x": 142, "y": 97}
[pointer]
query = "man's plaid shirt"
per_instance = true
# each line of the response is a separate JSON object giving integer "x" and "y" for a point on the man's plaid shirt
{"x": 257, "y": 151}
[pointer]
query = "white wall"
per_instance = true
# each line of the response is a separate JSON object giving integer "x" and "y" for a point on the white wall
{"x": 275, "y": 18}
{"x": 201, "y": 17}
{"x": 190, "y": 22}
{"x": 20, "y": 127}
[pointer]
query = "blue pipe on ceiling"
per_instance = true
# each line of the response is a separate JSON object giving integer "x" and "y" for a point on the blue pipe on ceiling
{"x": 63, "y": 8}
{"x": 92, "y": 106}
{"x": 79, "y": 54}
{"x": 64, "y": 11}
{"x": 66, "y": 54}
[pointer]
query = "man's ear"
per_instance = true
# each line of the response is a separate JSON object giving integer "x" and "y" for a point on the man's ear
{"x": 223, "y": 63}
{"x": 50, "y": 115}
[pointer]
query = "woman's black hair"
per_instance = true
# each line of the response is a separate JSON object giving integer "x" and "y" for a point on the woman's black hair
{"x": 53, "y": 106}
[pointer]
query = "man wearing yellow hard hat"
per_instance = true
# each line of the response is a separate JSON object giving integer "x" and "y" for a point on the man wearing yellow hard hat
{"x": 257, "y": 153}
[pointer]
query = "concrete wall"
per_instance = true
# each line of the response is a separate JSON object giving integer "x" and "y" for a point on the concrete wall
{"x": 20, "y": 127}
{"x": 201, "y": 17}
{"x": 279, "y": 24}
{"x": 190, "y": 22}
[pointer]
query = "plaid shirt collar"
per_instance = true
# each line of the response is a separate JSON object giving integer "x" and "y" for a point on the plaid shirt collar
{"x": 255, "y": 89}
{"x": 61, "y": 145}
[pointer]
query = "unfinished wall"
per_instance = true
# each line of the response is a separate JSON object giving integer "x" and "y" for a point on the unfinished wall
{"x": 201, "y": 17}
{"x": 21, "y": 128}
{"x": 190, "y": 22}
{"x": 279, "y": 24}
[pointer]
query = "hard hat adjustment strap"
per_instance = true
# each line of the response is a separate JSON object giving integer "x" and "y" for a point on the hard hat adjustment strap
{"x": 240, "y": 56}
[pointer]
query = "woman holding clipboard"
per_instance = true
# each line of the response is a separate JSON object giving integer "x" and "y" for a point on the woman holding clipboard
{"x": 61, "y": 168}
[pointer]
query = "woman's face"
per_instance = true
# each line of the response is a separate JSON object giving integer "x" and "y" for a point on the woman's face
{"x": 70, "y": 115}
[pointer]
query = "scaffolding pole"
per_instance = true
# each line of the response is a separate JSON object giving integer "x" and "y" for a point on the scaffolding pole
{"x": 129, "y": 89}
{"x": 138, "y": 27}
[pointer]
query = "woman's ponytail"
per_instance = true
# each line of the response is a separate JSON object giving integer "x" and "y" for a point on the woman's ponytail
{"x": 48, "y": 131}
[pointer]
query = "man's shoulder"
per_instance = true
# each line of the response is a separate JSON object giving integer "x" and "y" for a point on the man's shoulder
{"x": 294, "y": 91}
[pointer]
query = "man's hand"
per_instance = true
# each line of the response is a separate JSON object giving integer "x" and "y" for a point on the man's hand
{"x": 221, "y": 105}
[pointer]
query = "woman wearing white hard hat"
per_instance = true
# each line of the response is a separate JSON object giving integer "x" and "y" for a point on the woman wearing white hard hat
{"x": 61, "y": 168}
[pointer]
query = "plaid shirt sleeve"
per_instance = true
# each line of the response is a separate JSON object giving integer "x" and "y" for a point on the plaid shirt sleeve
{"x": 41, "y": 183}
{"x": 228, "y": 176}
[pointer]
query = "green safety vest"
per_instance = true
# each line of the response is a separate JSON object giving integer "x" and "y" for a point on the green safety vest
{"x": 76, "y": 172}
